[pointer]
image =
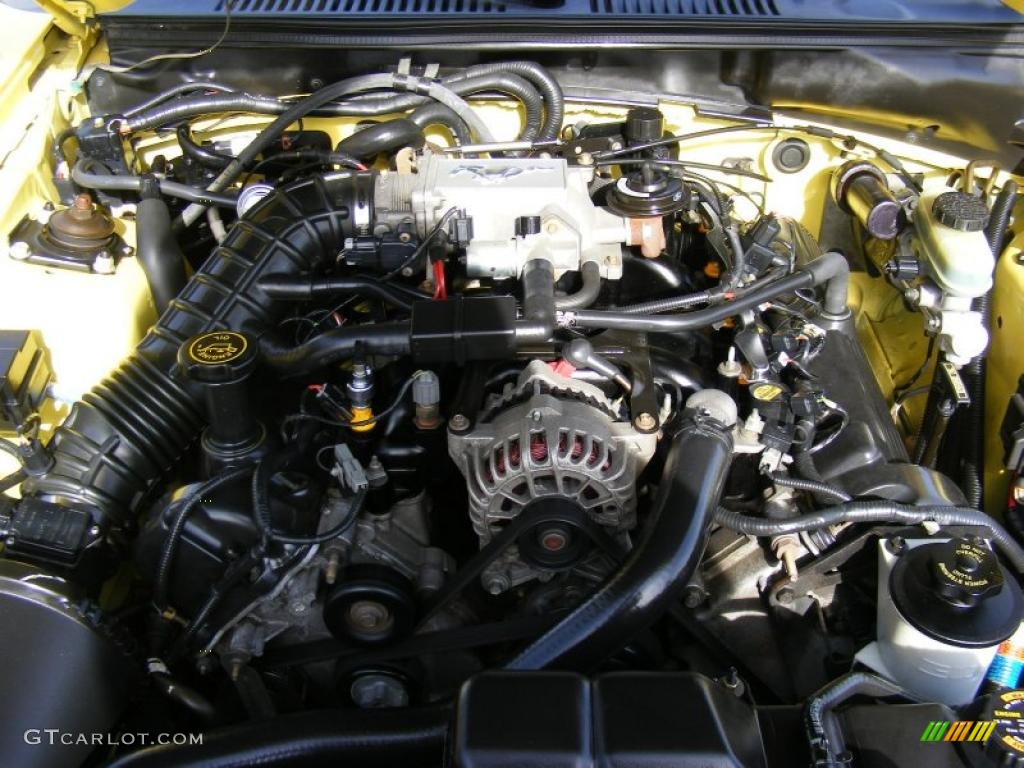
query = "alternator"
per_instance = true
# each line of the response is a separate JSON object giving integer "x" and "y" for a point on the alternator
{"x": 549, "y": 440}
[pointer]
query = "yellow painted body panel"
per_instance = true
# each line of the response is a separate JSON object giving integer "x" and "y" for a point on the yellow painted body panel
{"x": 90, "y": 323}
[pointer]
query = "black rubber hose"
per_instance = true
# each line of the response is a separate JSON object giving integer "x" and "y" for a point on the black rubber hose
{"x": 192, "y": 149}
{"x": 129, "y": 433}
{"x": 816, "y": 487}
{"x": 828, "y": 746}
{"x": 550, "y": 90}
{"x": 108, "y": 181}
{"x": 999, "y": 220}
{"x": 670, "y": 304}
{"x": 366, "y": 143}
{"x": 830, "y": 269}
{"x": 157, "y": 248}
{"x": 184, "y": 695}
{"x": 335, "y": 345}
{"x": 973, "y": 465}
{"x": 435, "y": 113}
{"x": 369, "y": 738}
{"x": 306, "y": 288}
{"x": 590, "y": 274}
{"x": 509, "y": 83}
{"x": 875, "y": 512}
{"x": 658, "y": 568}
{"x": 312, "y": 155}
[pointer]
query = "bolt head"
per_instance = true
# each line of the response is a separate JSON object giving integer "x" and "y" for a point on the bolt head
{"x": 553, "y": 539}
{"x": 693, "y": 597}
{"x": 496, "y": 584}
{"x": 103, "y": 264}
{"x": 645, "y": 421}
{"x": 458, "y": 422}
{"x": 19, "y": 250}
{"x": 785, "y": 596}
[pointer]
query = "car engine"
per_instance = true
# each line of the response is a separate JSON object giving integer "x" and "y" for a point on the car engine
{"x": 468, "y": 422}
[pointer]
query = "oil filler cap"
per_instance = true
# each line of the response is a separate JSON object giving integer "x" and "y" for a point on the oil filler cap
{"x": 218, "y": 357}
{"x": 960, "y": 211}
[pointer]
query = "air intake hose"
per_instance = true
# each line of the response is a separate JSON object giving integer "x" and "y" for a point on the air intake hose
{"x": 125, "y": 436}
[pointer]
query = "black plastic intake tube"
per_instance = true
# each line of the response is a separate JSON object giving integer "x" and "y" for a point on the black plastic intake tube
{"x": 129, "y": 432}
{"x": 369, "y": 738}
{"x": 305, "y": 288}
{"x": 335, "y": 345}
{"x": 658, "y": 568}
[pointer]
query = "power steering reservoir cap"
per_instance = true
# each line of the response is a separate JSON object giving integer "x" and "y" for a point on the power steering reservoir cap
{"x": 955, "y": 591}
{"x": 966, "y": 573}
{"x": 218, "y": 357}
{"x": 960, "y": 211}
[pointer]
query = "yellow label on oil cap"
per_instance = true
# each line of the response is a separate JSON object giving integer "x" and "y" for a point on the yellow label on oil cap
{"x": 766, "y": 392}
{"x": 217, "y": 347}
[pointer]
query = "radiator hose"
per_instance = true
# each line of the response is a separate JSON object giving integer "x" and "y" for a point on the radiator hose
{"x": 658, "y": 568}
{"x": 365, "y": 737}
{"x": 129, "y": 432}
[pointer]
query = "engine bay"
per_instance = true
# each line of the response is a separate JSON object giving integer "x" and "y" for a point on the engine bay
{"x": 437, "y": 416}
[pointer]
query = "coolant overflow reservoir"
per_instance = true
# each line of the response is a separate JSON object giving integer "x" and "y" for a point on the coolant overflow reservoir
{"x": 951, "y": 239}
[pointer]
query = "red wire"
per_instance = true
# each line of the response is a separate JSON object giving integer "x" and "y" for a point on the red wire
{"x": 440, "y": 290}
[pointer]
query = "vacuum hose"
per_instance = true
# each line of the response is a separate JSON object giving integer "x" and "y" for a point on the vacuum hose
{"x": 157, "y": 249}
{"x": 129, "y": 432}
{"x": 658, "y": 568}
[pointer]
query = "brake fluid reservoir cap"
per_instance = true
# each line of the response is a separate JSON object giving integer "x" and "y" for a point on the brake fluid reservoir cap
{"x": 955, "y": 592}
{"x": 960, "y": 211}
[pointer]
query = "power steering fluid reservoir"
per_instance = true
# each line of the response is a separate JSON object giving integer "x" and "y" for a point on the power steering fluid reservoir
{"x": 943, "y": 609}
{"x": 951, "y": 240}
